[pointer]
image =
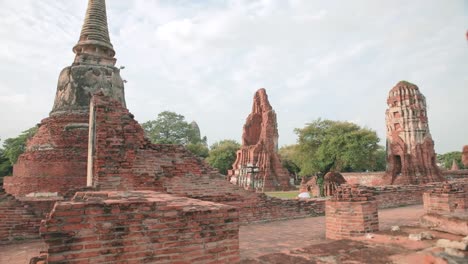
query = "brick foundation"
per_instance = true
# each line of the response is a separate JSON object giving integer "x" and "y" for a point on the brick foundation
{"x": 351, "y": 212}
{"x": 446, "y": 199}
{"x": 141, "y": 227}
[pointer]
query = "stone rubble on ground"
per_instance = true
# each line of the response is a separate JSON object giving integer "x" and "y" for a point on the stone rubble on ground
{"x": 421, "y": 236}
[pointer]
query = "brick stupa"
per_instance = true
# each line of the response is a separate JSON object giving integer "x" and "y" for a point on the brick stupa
{"x": 258, "y": 166}
{"x": 55, "y": 158}
{"x": 410, "y": 149}
{"x": 465, "y": 156}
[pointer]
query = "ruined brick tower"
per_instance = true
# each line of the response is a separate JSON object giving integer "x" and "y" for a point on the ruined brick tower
{"x": 55, "y": 158}
{"x": 410, "y": 149}
{"x": 258, "y": 166}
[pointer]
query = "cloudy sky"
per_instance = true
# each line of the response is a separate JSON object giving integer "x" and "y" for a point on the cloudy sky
{"x": 205, "y": 59}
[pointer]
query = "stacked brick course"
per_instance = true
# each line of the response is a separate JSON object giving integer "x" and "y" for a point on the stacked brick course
{"x": 55, "y": 158}
{"x": 352, "y": 211}
{"x": 141, "y": 227}
{"x": 17, "y": 220}
{"x": 449, "y": 198}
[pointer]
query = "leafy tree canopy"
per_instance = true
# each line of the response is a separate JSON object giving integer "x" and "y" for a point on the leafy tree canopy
{"x": 14, "y": 147}
{"x": 325, "y": 145}
{"x": 381, "y": 159}
{"x": 448, "y": 158}
{"x": 5, "y": 165}
{"x": 171, "y": 128}
{"x": 200, "y": 149}
{"x": 288, "y": 156}
{"x": 223, "y": 154}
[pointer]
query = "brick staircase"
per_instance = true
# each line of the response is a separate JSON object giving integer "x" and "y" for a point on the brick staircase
{"x": 17, "y": 221}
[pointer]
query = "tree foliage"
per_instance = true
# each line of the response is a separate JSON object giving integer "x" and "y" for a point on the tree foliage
{"x": 380, "y": 159}
{"x": 325, "y": 145}
{"x": 223, "y": 154}
{"x": 12, "y": 149}
{"x": 288, "y": 159}
{"x": 171, "y": 128}
{"x": 200, "y": 149}
{"x": 447, "y": 159}
{"x": 5, "y": 165}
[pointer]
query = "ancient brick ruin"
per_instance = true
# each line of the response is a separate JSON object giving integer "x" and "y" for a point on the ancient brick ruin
{"x": 448, "y": 198}
{"x": 92, "y": 142}
{"x": 331, "y": 181}
{"x": 446, "y": 208}
{"x": 352, "y": 211}
{"x": 410, "y": 149}
{"x": 141, "y": 227}
{"x": 107, "y": 194}
{"x": 465, "y": 156}
{"x": 55, "y": 158}
{"x": 258, "y": 166}
{"x": 454, "y": 166}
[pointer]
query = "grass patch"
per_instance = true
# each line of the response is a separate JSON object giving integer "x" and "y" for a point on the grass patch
{"x": 287, "y": 195}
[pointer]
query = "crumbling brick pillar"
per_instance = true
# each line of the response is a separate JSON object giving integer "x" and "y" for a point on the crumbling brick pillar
{"x": 352, "y": 211}
{"x": 446, "y": 199}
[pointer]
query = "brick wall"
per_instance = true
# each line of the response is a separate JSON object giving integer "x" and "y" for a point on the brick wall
{"x": 446, "y": 199}
{"x": 351, "y": 212}
{"x": 125, "y": 160}
{"x": 458, "y": 174}
{"x": 364, "y": 178}
{"x": 141, "y": 227}
{"x": 18, "y": 220}
{"x": 55, "y": 157}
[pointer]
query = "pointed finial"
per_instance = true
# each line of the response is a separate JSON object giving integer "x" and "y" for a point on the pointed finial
{"x": 94, "y": 45}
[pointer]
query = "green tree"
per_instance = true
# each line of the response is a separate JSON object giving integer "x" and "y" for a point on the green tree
{"x": 168, "y": 128}
{"x": 380, "y": 159}
{"x": 448, "y": 158}
{"x": 200, "y": 149}
{"x": 14, "y": 147}
{"x": 223, "y": 154}
{"x": 171, "y": 128}
{"x": 288, "y": 159}
{"x": 5, "y": 165}
{"x": 325, "y": 145}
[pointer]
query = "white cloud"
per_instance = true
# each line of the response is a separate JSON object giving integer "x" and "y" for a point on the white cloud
{"x": 205, "y": 59}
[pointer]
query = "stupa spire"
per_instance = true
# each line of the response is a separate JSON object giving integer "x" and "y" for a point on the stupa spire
{"x": 94, "y": 45}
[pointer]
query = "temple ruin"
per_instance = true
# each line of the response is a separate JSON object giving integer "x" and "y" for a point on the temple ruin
{"x": 56, "y": 157}
{"x": 410, "y": 149}
{"x": 96, "y": 190}
{"x": 465, "y": 156}
{"x": 258, "y": 166}
{"x": 331, "y": 181}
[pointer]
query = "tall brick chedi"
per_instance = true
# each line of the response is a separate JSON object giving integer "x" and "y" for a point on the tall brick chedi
{"x": 258, "y": 166}
{"x": 55, "y": 158}
{"x": 410, "y": 149}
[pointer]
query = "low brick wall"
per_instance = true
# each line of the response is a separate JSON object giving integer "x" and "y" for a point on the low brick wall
{"x": 458, "y": 174}
{"x": 351, "y": 212}
{"x": 445, "y": 200}
{"x": 141, "y": 227}
{"x": 364, "y": 178}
